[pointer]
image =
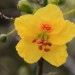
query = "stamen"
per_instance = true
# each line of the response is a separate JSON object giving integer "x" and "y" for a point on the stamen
{"x": 34, "y": 40}
{"x": 46, "y": 27}
{"x": 45, "y": 43}
{"x": 38, "y": 41}
{"x": 42, "y": 41}
{"x": 40, "y": 46}
{"x": 46, "y": 49}
{"x": 49, "y": 44}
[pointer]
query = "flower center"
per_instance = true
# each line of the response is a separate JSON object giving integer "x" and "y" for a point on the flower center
{"x": 46, "y": 27}
{"x": 42, "y": 42}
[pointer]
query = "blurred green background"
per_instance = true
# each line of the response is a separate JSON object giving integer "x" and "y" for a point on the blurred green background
{"x": 11, "y": 63}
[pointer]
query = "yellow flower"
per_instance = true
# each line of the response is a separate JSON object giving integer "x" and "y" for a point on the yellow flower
{"x": 45, "y": 35}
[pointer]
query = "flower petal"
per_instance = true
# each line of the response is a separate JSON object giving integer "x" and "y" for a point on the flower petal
{"x": 28, "y": 51}
{"x": 57, "y": 26}
{"x": 27, "y": 25}
{"x": 51, "y": 11}
{"x": 51, "y": 14}
{"x": 65, "y": 35}
{"x": 57, "y": 55}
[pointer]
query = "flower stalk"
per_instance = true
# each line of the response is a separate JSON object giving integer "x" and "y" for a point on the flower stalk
{"x": 11, "y": 32}
{"x": 68, "y": 12}
{"x": 40, "y": 63}
{"x": 5, "y": 17}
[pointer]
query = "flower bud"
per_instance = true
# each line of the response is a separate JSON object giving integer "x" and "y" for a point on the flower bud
{"x": 3, "y": 38}
{"x": 58, "y": 2}
{"x": 25, "y": 6}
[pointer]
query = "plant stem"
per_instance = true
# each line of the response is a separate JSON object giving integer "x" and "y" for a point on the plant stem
{"x": 11, "y": 32}
{"x": 40, "y": 63}
{"x": 5, "y": 17}
{"x": 68, "y": 12}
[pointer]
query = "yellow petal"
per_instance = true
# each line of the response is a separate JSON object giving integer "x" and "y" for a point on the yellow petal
{"x": 27, "y": 25}
{"x": 65, "y": 35}
{"x": 57, "y": 26}
{"x": 28, "y": 51}
{"x": 52, "y": 14}
{"x": 51, "y": 11}
{"x": 57, "y": 55}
